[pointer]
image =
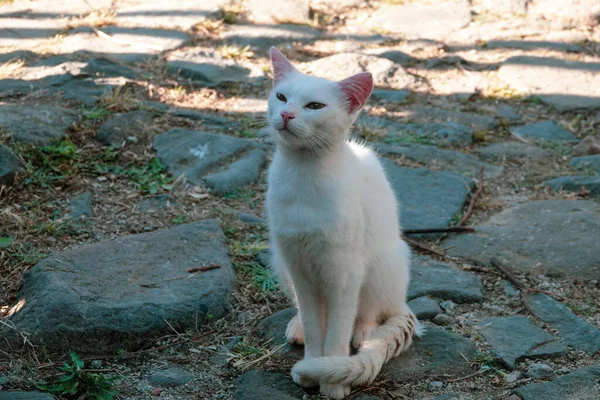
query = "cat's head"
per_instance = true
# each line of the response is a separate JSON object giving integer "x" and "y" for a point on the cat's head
{"x": 306, "y": 112}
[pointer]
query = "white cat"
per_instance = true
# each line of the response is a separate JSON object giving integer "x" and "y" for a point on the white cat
{"x": 334, "y": 233}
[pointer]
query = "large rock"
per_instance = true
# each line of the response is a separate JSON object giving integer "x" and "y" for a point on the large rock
{"x": 545, "y": 130}
{"x": 25, "y": 396}
{"x": 438, "y": 352}
{"x": 273, "y": 329}
{"x": 260, "y": 385}
{"x": 577, "y": 184}
{"x": 40, "y": 125}
{"x": 500, "y": 7}
{"x": 572, "y": 12}
{"x": 418, "y": 192}
{"x": 586, "y": 163}
{"x": 437, "y": 20}
{"x": 470, "y": 119}
{"x": 340, "y": 66}
{"x": 440, "y": 280}
{"x": 515, "y": 151}
{"x": 81, "y": 206}
{"x": 424, "y": 307}
{"x": 106, "y": 296}
{"x": 17, "y": 33}
{"x": 573, "y": 330}
{"x": 172, "y": 14}
{"x": 564, "y": 84}
{"x": 516, "y": 338}
{"x": 131, "y": 126}
{"x": 265, "y": 36}
{"x": 9, "y": 165}
{"x": 579, "y": 385}
{"x": 444, "y": 159}
{"x": 51, "y": 8}
{"x": 268, "y": 12}
{"x": 223, "y": 162}
{"x": 588, "y": 146}
{"x": 525, "y": 237}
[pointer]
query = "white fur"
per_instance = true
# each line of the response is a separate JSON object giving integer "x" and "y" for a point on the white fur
{"x": 335, "y": 240}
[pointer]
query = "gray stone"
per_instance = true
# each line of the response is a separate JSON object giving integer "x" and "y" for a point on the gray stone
{"x": 576, "y": 184}
{"x": 500, "y": 7}
{"x": 514, "y": 151}
{"x": 579, "y": 385}
{"x": 586, "y": 162}
{"x": 339, "y": 66}
{"x": 9, "y": 165}
{"x": 510, "y": 290}
{"x": 391, "y": 96}
{"x": 588, "y": 146}
{"x": 209, "y": 120}
{"x": 399, "y": 57}
{"x": 437, "y": 353}
{"x": 211, "y": 70}
{"x": 25, "y": 33}
{"x": 573, "y": 330}
{"x": 444, "y": 62}
{"x": 251, "y": 218}
{"x": 445, "y": 159}
{"x": 448, "y": 306}
{"x": 516, "y": 338}
{"x": 507, "y": 114}
{"x": 418, "y": 189}
{"x": 40, "y": 125}
{"x": 272, "y": 329}
{"x": 220, "y": 359}
{"x": 261, "y": 385}
{"x": 267, "y": 12}
{"x": 435, "y": 385}
{"x": 564, "y": 84}
{"x": 96, "y": 364}
{"x": 418, "y": 192}
{"x": 131, "y": 126}
{"x": 88, "y": 91}
{"x": 161, "y": 201}
{"x": 242, "y": 172}
{"x": 570, "y": 12}
{"x": 174, "y": 14}
{"x": 264, "y": 36}
{"x": 443, "y": 320}
{"x": 264, "y": 258}
{"x": 424, "y": 307}
{"x": 74, "y": 304}
{"x": 200, "y": 155}
{"x": 440, "y": 280}
{"x": 540, "y": 371}
{"x": 520, "y": 237}
{"x": 469, "y": 119}
{"x": 81, "y": 206}
{"x": 416, "y": 20}
{"x": 544, "y": 130}
{"x": 512, "y": 377}
{"x": 170, "y": 377}
{"x": 26, "y": 396}
{"x": 533, "y": 45}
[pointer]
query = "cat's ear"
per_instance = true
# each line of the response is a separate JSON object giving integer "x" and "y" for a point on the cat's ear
{"x": 281, "y": 65}
{"x": 357, "y": 90}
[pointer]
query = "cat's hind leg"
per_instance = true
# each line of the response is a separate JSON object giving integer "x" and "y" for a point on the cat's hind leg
{"x": 294, "y": 333}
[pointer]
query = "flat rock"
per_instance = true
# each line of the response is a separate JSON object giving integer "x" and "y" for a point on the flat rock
{"x": 40, "y": 125}
{"x": 170, "y": 377}
{"x": 161, "y": 201}
{"x": 516, "y": 338}
{"x": 51, "y": 8}
{"x": 70, "y": 303}
{"x": 25, "y": 33}
{"x": 579, "y": 12}
{"x": 9, "y": 165}
{"x": 540, "y": 371}
{"x": 211, "y": 70}
{"x": 438, "y": 352}
{"x": 268, "y": 12}
{"x": 424, "y": 307}
{"x": 130, "y": 44}
{"x": 507, "y": 114}
{"x": 586, "y": 162}
{"x": 339, "y": 66}
{"x": 127, "y": 127}
{"x": 564, "y": 84}
{"x": 514, "y": 151}
{"x": 418, "y": 192}
{"x": 522, "y": 238}
{"x": 579, "y": 385}
{"x": 588, "y": 146}
{"x": 445, "y": 159}
{"x": 265, "y": 36}
{"x": 576, "y": 184}
{"x": 81, "y": 206}
{"x": 35, "y": 395}
{"x": 533, "y": 45}
{"x": 222, "y": 162}
{"x": 397, "y": 56}
{"x": 174, "y": 14}
{"x": 469, "y": 119}
{"x": 501, "y": 7}
{"x": 544, "y": 130}
{"x": 437, "y": 20}
{"x": 273, "y": 328}
{"x": 260, "y": 385}
{"x": 440, "y": 280}
{"x": 573, "y": 330}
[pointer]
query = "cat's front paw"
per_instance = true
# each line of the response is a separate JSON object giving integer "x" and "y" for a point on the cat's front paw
{"x": 334, "y": 391}
{"x": 304, "y": 382}
{"x": 294, "y": 333}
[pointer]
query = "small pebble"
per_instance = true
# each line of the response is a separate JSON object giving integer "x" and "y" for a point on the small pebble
{"x": 513, "y": 376}
{"x": 443, "y": 320}
{"x": 564, "y": 371}
{"x": 435, "y": 385}
{"x": 96, "y": 364}
{"x": 448, "y": 306}
{"x": 540, "y": 371}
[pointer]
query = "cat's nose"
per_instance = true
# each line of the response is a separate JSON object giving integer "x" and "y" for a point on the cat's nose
{"x": 287, "y": 116}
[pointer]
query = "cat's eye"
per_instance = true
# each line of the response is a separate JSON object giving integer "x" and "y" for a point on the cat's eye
{"x": 281, "y": 97}
{"x": 314, "y": 105}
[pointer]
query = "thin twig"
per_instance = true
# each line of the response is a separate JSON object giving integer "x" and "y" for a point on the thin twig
{"x": 502, "y": 268}
{"x": 439, "y": 230}
{"x": 473, "y": 199}
{"x": 106, "y": 36}
{"x": 204, "y": 268}
{"x": 423, "y": 247}
{"x": 462, "y": 378}
{"x": 481, "y": 269}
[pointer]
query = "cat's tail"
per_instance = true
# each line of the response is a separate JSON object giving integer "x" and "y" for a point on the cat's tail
{"x": 387, "y": 341}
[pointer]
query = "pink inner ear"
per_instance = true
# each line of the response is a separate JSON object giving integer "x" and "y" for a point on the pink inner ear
{"x": 281, "y": 65}
{"x": 357, "y": 89}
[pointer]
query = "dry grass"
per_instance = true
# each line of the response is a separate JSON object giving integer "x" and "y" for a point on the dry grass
{"x": 97, "y": 19}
